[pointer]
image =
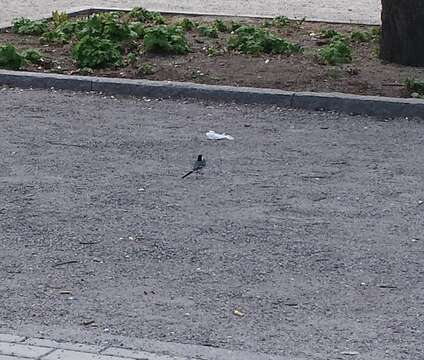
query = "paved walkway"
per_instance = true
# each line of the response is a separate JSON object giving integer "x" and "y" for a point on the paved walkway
{"x": 13, "y": 347}
{"x": 359, "y": 11}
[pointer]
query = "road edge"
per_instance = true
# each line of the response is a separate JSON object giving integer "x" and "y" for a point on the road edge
{"x": 338, "y": 102}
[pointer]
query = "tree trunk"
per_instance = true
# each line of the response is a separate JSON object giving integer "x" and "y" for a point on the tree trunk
{"x": 402, "y": 32}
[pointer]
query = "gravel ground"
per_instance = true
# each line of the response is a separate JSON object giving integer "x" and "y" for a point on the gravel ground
{"x": 310, "y": 224}
{"x": 362, "y": 11}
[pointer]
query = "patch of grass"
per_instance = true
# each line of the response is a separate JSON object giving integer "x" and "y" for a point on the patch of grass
{"x": 32, "y": 56}
{"x": 94, "y": 52}
{"x": 337, "y": 52}
{"x": 415, "y": 86}
{"x": 25, "y": 26}
{"x": 361, "y": 36}
{"x": 253, "y": 40}
{"x": 9, "y": 58}
{"x": 166, "y": 39}
{"x": 208, "y": 31}
{"x": 186, "y": 24}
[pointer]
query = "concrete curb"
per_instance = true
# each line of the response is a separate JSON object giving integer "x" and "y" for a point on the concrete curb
{"x": 339, "y": 102}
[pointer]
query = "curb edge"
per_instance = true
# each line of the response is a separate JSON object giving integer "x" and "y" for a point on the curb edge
{"x": 338, "y": 102}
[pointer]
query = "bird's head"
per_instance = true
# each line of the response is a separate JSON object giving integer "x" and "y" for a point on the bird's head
{"x": 199, "y": 158}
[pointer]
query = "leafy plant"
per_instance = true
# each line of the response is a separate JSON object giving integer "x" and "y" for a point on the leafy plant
{"x": 64, "y": 32}
{"x": 267, "y": 23}
{"x": 301, "y": 21}
{"x": 415, "y": 86}
{"x": 186, "y": 24}
{"x": 234, "y": 25}
{"x": 138, "y": 29}
{"x": 143, "y": 15}
{"x": 220, "y": 25}
{"x": 10, "y": 58}
{"x": 25, "y": 26}
{"x": 280, "y": 21}
{"x": 146, "y": 69}
{"x": 54, "y": 37}
{"x": 376, "y": 33}
{"x": 32, "y": 56}
{"x": 337, "y": 52}
{"x": 95, "y": 52}
{"x": 131, "y": 58}
{"x": 208, "y": 31}
{"x": 329, "y": 34}
{"x": 106, "y": 26}
{"x": 361, "y": 36}
{"x": 58, "y": 18}
{"x": 253, "y": 40}
{"x": 85, "y": 71}
{"x": 167, "y": 39}
{"x": 212, "y": 51}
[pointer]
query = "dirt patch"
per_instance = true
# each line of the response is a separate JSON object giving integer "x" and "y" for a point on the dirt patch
{"x": 366, "y": 74}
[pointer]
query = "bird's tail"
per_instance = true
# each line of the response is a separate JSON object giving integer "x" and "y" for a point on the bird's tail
{"x": 189, "y": 173}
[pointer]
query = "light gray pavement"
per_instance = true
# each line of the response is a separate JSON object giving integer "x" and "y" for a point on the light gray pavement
{"x": 358, "y": 11}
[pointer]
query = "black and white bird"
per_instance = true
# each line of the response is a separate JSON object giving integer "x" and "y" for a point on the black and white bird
{"x": 200, "y": 163}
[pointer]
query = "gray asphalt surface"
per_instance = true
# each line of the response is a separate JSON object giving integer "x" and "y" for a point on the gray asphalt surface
{"x": 308, "y": 223}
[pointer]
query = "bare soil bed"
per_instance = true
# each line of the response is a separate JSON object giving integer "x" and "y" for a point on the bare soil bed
{"x": 210, "y": 61}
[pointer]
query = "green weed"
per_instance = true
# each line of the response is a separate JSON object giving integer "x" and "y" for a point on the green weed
{"x": 146, "y": 69}
{"x": 59, "y": 18}
{"x": 25, "y": 26}
{"x": 376, "y": 33}
{"x": 220, "y": 26}
{"x": 415, "y": 86}
{"x": 213, "y": 51}
{"x": 361, "y": 36}
{"x": 337, "y": 52}
{"x": 106, "y": 26}
{"x": 254, "y": 40}
{"x": 329, "y": 34}
{"x": 95, "y": 52}
{"x": 280, "y": 21}
{"x": 143, "y": 15}
{"x": 131, "y": 58}
{"x": 186, "y": 24}
{"x": 167, "y": 39}
{"x": 32, "y": 56}
{"x": 54, "y": 37}
{"x": 208, "y": 31}
{"x": 138, "y": 29}
{"x": 234, "y": 25}
{"x": 9, "y": 58}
